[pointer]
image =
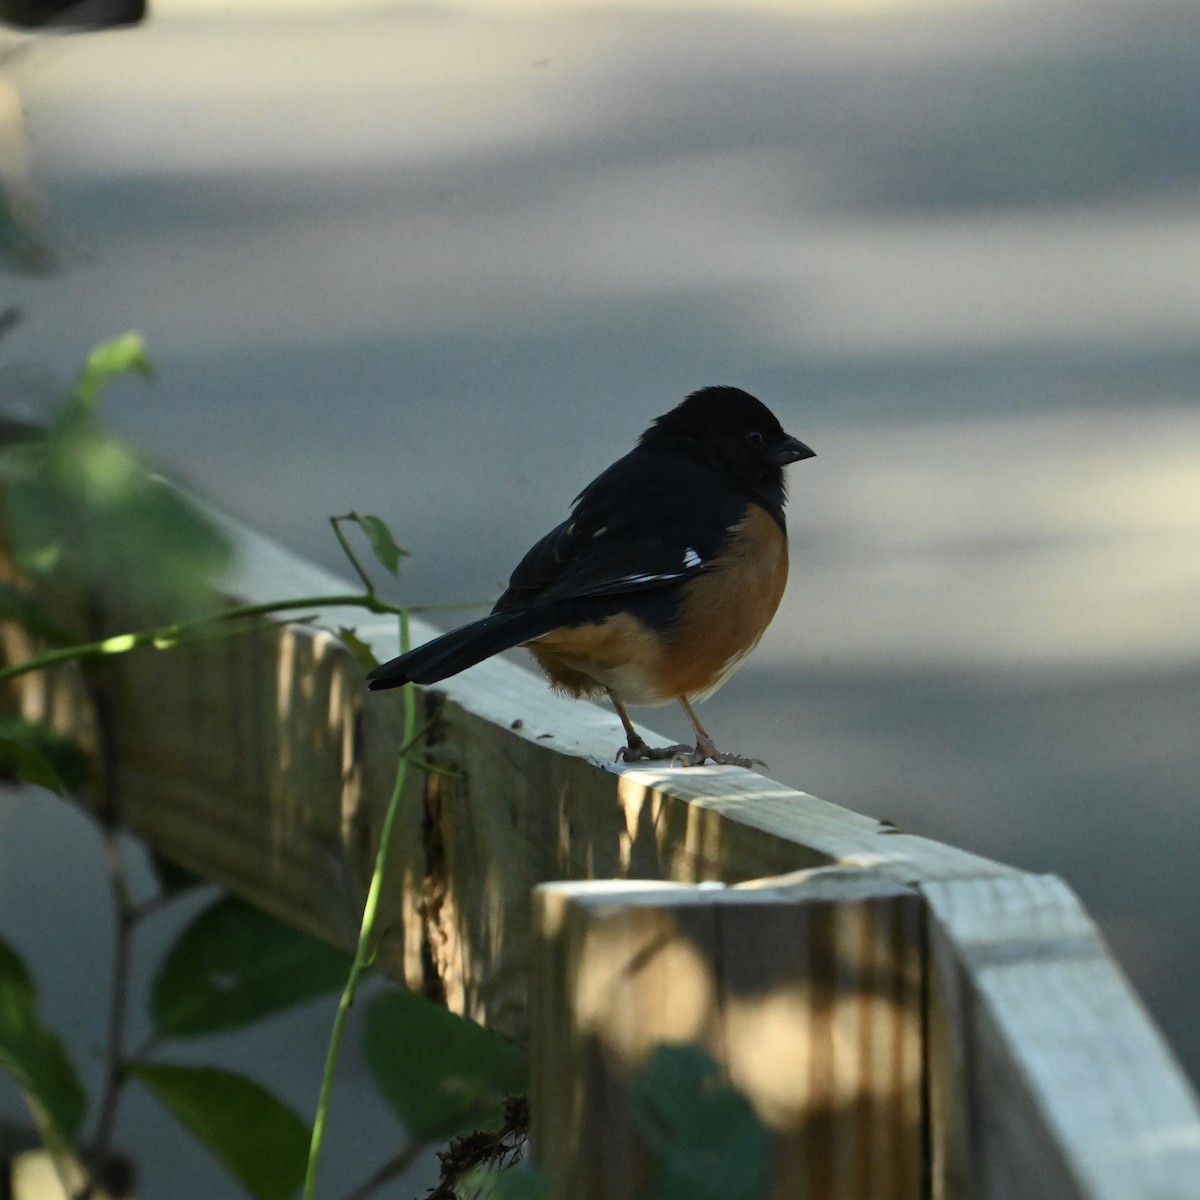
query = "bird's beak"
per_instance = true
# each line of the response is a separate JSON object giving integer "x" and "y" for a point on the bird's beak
{"x": 790, "y": 450}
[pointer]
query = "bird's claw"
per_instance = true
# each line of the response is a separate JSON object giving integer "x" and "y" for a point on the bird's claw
{"x": 684, "y": 756}
{"x": 640, "y": 752}
{"x": 705, "y": 749}
{"x": 736, "y": 760}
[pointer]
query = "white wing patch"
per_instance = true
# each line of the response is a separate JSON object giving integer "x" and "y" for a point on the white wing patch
{"x": 691, "y": 560}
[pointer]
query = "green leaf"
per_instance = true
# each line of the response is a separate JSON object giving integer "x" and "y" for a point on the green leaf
{"x": 709, "y": 1141}
{"x": 386, "y": 548}
{"x": 258, "y": 1138}
{"x": 506, "y": 1184}
{"x": 442, "y": 1074}
{"x": 121, "y": 356}
{"x": 172, "y": 878}
{"x": 28, "y": 613}
{"x": 37, "y": 754}
{"x": 85, "y": 510}
{"x": 235, "y": 964}
{"x": 361, "y": 651}
{"x": 30, "y": 765}
{"x": 35, "y": 1057}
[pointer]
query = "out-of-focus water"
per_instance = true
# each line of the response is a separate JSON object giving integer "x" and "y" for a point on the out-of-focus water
{"x": 443, "y": 263}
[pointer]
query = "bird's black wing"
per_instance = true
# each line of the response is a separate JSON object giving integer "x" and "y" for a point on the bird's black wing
{"x": 653, "y": 518}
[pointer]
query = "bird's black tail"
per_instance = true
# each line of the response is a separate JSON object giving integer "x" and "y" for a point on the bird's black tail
{"x": 460, "y": 649}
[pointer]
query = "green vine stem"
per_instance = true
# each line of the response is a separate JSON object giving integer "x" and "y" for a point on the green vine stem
{"x": 364, "y": 952}
{"x": 163, "y": 637}
{"x": 225, "y": 623}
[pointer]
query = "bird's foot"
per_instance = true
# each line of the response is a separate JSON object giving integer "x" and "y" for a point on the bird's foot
{"x": 736, "y": 760}
{"x": 684, "y": 756}
{"x": 638, "y": 751}
{"x": 706, "y": 751}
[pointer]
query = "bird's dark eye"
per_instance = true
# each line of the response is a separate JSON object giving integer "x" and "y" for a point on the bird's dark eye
{"x": 754, "y": 439}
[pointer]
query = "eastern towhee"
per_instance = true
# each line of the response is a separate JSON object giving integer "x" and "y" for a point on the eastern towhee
{"x": 663, "y": 578}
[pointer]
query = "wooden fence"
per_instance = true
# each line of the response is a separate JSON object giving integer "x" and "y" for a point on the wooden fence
{"x": 909, "y": 1020}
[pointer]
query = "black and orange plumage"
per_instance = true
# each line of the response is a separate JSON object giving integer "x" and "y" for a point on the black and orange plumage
{"x": 662, "y": 579}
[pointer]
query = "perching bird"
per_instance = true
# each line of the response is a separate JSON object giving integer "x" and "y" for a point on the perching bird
{"x": 660, "y": 582}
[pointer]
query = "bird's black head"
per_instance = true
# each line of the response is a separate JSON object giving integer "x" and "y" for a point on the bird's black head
{"x": 741, "y": 432}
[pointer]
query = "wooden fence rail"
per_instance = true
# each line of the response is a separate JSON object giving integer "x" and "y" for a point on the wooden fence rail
{"x": 910, "y": 1020}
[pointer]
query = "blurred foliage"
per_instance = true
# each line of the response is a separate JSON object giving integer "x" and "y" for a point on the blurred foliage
{"x": 35, "y": 1058}
{"x": 30, "y": 615}
{"x": 506, "y": 1185}
{"x": 38, "y": 755}
{"x": 441, "y": 1073}
{"x": 709, "y": 1142}
{"x": 229, "y": 967}
{"x": 234, "y": 965}
{"x": 478, "y": 1165}
{"x": 256, "y": 1136}
{"x": 361, "y": 651}
{"x": 172, "y": 878}
{"x": 85, "y": 512}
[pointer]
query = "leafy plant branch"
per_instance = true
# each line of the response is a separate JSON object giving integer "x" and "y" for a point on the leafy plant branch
{"x": 365, "y": 948}
{"x": 164, "y": 637}
{"x": 129, "y": 914}
{"x": 87, "y": 518}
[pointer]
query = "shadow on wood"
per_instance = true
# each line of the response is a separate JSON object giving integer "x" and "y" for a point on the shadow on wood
{"x": 261, "y": 762}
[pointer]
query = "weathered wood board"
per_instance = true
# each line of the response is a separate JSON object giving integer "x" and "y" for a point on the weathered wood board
{"x": 806, "y": 990}
{"x": 1048, "y": 1080}
{"x": 262, "y": 762}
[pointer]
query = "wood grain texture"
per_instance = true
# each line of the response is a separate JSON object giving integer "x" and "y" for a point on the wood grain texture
{"x": 262, "y": 762}
{"x": 807, "y": 991}
{"x": 1049, "y": 1081}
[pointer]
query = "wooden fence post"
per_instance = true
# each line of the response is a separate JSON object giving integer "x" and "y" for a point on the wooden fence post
{"x": 1048, "y": 1080}
{"x": 807, "y": 989}
{"x": 971, "y": 1039}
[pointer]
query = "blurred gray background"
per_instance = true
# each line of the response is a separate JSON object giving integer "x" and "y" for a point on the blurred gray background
{"x": 443, "y": 262}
